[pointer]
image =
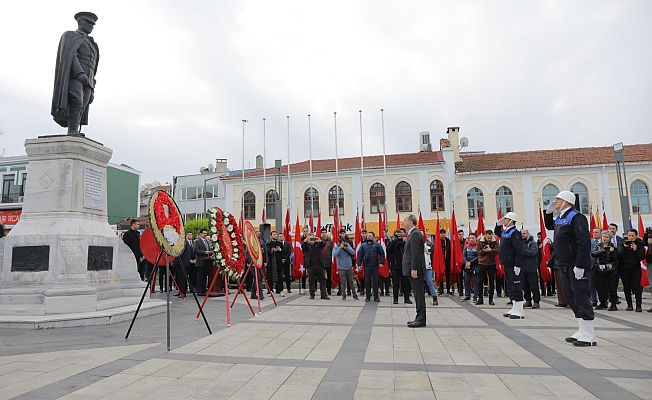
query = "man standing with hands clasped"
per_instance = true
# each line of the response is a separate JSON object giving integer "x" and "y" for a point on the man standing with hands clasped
{"x": 573, "y": 258}
{"x": 414, "y": 266}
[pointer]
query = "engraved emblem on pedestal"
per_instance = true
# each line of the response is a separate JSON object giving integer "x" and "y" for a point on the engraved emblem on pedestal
{"x": 46, "y": 180}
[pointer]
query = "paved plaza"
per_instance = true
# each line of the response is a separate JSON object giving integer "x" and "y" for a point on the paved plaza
{"x": 318, "y": 349}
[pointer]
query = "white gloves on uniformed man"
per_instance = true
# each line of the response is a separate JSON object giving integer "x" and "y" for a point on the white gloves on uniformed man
{"x": 517, "y": 270}
{"x": 579, "y": 273}
{"x": 551, "y": 208}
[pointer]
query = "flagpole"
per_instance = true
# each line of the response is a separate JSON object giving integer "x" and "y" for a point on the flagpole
{"x": 244, "y": 121}
{"x": 382, "y": 125}
{"x": 361, "y": 162}
{"x": 337, "y": 171}
{"x": 289, "y": 173}
{"x": 312, "y": 210}
{"x": 264, "y": 172}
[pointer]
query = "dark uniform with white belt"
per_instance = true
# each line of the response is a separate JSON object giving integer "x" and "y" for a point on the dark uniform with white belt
{"x": 511, "y": 254}
{"x": 573, "y": 259}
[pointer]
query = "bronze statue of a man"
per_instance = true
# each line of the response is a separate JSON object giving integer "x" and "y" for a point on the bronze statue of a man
{"x": 74, "y": 76}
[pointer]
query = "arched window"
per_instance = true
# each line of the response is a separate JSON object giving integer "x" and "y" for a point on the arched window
{"x": 548, "y": 194}
{"x": 475, "y": 200}
{"x": 436, "y": 195}
{"x": 311, "y": 195}
{"x": 270, "y": 204}
{"x": 640, "y": 197}
{"x": 504, "y": 200}
{"x": 580, "y": 190}
{"x": 377, "y": 197}
{"x": 249, "y": 200}
{"x": 403, "y": 197}
{"x": 336, "y": 193}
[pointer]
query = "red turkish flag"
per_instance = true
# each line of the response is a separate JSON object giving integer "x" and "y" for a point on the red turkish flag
{"x": 544, "y": 271}
{"x": 421, "y": 226}
{"x": 605, "y": 224}
{"x": 297, "y": 269}
{"x": 263, "y": 218}
{"x": 319, "y": 225}
{"x": 591, "y": 224}
{"x": 357, "y": 242}
{"x": 456, "y": 249}
{"x": 398, "y": 221}
{"x": 645, "y": 280}
{"x": 383, "y": 270}
{"x": 439, "y": 261}
{"x": 480, "y": 230}
{"x": 287, "y": 229}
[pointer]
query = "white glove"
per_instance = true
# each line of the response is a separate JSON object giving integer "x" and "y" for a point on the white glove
{"x": 579, "y": 273}
{"x": 551, "y": 208}
{"x": 517, "y": 270}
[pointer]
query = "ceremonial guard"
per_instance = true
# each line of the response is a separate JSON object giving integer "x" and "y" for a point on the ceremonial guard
{"x": 573, "y": 258}
{"x": 511, "y": 253}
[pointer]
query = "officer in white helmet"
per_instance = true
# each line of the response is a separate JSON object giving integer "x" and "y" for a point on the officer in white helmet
{"x": 511, "y": 253}
{"x": 573, "y": 258}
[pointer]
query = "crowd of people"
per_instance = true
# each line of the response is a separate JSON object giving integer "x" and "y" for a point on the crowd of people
{"x": 502, "y": 261}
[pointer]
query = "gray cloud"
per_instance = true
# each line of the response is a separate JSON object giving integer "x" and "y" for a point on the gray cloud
{"x": 175, "y": 79}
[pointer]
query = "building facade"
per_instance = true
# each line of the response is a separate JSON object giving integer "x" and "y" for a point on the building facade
{"x": 436, "y": 182}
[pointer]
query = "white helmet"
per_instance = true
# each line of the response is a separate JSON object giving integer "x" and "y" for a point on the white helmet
{"x": 511, "y": 215}
{"x": 566, "y": 196}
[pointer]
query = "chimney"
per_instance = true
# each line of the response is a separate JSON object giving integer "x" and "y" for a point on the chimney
{"x": 220, "y": 165}
{"x": 424, "y": 141}
{"x": 259, "y": 162}
{"x": 453, "y": 133}
{"x": 444, "y": 143}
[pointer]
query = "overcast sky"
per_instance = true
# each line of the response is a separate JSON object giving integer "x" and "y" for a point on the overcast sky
{"x": 175, "y": 78}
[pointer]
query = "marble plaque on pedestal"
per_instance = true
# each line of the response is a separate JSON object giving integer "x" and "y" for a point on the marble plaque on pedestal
{"x": 93, "y": 188}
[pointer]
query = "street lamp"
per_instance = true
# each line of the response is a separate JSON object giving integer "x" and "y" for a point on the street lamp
{"x": 622, "y": 183}
{"x": 204, "y": 194}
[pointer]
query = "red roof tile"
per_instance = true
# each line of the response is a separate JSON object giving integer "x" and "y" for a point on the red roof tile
{"x": 478, "y": 162}
{"x": 352, "y": 163}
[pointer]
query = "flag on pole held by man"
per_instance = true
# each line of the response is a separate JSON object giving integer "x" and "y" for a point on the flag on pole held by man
{"x": 297, "y": 269}
{"x": 334, "y": 233}
{"x": 438, "y": 261}
{"x": 311, "y": 224}
{"x": 383, "y": 270}
{"x": 456, "y": 250}
{"x": 357, "y": 242}
{"x": 645, "y": 280}
{"x": 544, "y": 271}
{"x": 421, "y": 226}
{"x": 335, "y": 273}
{"x": 287, "y": 230}
{"x": 480, "y": 230}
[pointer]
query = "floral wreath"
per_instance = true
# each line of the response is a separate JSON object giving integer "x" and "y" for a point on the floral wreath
{"x": 228, "y": 250}
{"x": 166, "y": 222}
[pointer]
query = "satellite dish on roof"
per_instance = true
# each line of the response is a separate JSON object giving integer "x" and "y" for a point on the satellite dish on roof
{"x": 464, "y": 142}
{"x": 211, "y": 168}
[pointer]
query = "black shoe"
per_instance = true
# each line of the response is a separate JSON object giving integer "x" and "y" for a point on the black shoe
{"x": 509, "y": 303}
{"x": 408, "y": 301}
{"x": 395, "y": 302}
{"x": 639, "y": 309}
{"x": 499, "y": 295}
{"x": 561, "y": 305}
{"x": 527, "y": 304}
{"x": 312, "y": 297}
{"x": 536, "y": 305}
{"x": 491, "y": 303}
{"x": 410, "y": 322}
{"x": 578, "y": 343}
{"x": 614, "y": 308}
{"x": 466, "y": 299}
{"x": 377, "y": 299}
{"x": 506, "y": 315}
{"x": 417, "y": 325}
{"x": 325, "y": 298}
{"x": 355, "y": 296}
{"x": 367, "y": 299}
{"x": 650, "y": 310}
{"x": 478, "y": 302}
{"x": 629, "y": 308}
{"x": 343, "y": 297}
{"x": 512, "y": 316}
{"x": 289, "y": 291}
{"x": 570, "y": 339}
{"x": 435, "y": 302}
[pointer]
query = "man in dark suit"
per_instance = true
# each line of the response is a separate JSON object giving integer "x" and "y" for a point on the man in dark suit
{"x": 312, "y": 247}
{"x": 202, "y": 260}
{"x": 184, "y": 262}
{"x": 132, "y": 239}
{"x": 414, "y": 266}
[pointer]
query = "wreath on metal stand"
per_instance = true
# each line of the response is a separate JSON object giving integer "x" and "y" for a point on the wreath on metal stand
{"x": 226, "y": 240}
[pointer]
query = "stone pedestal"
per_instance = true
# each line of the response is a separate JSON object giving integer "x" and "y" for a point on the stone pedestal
{"x": 63, "y": 251}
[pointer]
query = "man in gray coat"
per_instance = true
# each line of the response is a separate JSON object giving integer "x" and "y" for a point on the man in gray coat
{"x": 414, "y": 267}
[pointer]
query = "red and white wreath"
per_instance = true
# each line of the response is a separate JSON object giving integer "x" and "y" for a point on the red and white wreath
{"x": 228, "y": 250}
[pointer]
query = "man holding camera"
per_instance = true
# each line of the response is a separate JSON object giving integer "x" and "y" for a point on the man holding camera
{"x": 395, "y": 249}
{"x": 275, "y": 258}
{"x": 327, "y": 257}
{"x": 630, "y": 255}
{"x": 371, "y": 255}
{"x": 312, "y": 261}
{"x": 343, "y": 252}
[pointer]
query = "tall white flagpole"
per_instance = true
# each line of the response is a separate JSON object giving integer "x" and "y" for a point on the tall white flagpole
{"x": 312, "y": 210}
{"x": 289, "y": 173}
{"x": 361, "y": 163}
{"x": 244, "y": 121}
{"x": 264, "y": 172}
{"x": 337, "y": 170}
{"x": 382, "y": 124}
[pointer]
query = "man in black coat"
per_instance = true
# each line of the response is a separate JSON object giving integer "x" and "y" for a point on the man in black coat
{"x": 395, "y": 249}
{"x": 132, "y": 239}
{"x": 414, "y": 266}
{"x": 312, "y": 261}
{"x": 573, "y": 259}
{"x": 511, "y": 251}
{"x": 202, "y": 260}
{"x": 184, "y": 263}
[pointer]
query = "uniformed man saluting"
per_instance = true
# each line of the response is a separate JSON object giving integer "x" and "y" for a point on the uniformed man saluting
{"x": 573, "y": 258}
{"x": 74, "y": 76}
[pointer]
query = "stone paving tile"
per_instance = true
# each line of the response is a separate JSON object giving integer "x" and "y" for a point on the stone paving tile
{"x": 640, "y": 387}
